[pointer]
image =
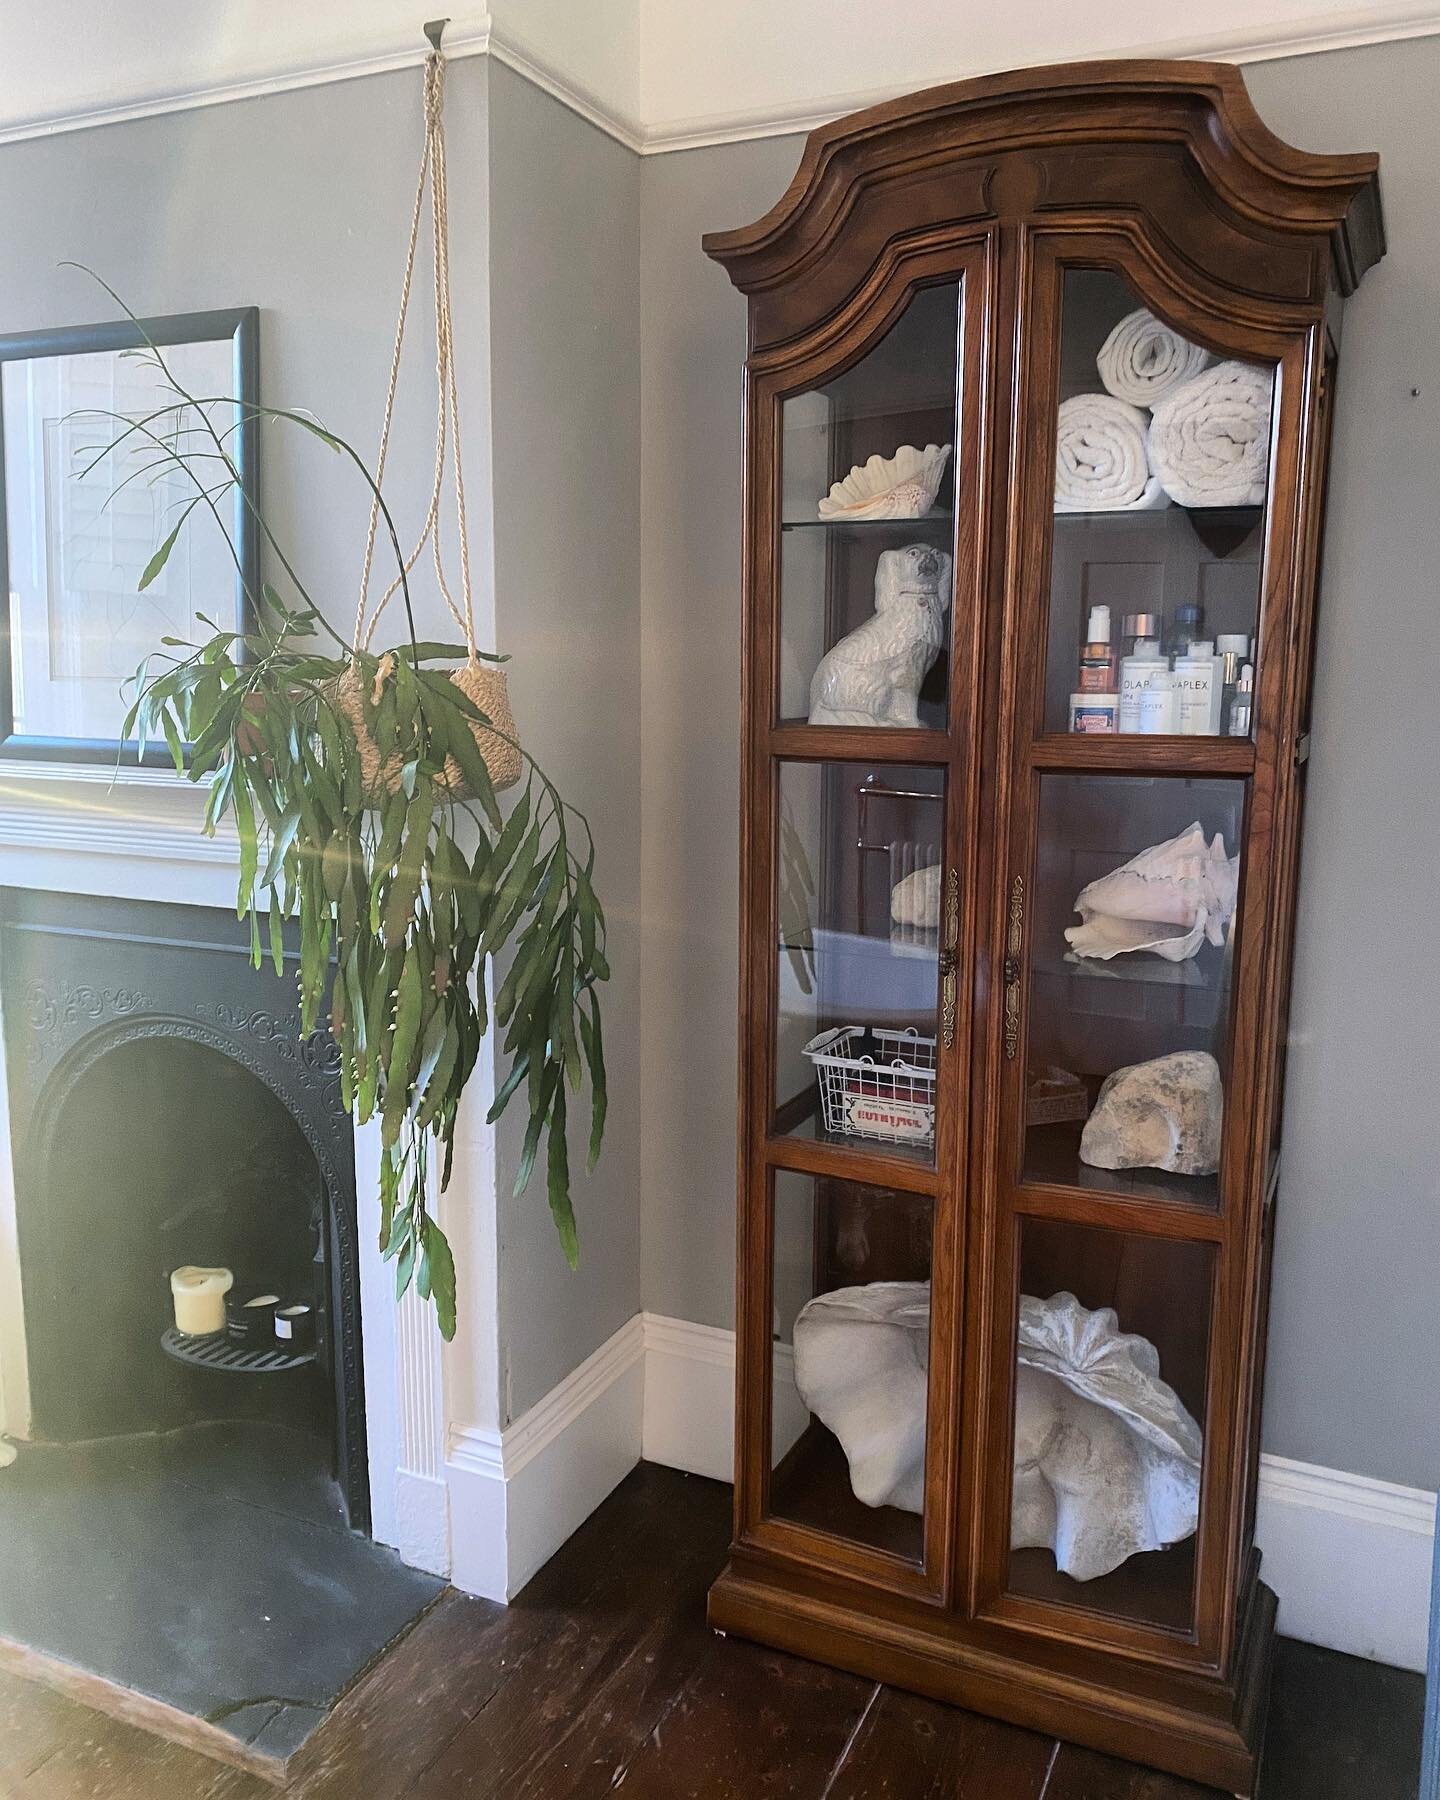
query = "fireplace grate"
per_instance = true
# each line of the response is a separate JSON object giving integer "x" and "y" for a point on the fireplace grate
{"x": 223, "y": 1353}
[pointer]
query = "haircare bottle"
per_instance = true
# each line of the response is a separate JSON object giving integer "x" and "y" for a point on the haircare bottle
{"x": 1098, "y": 667}
{"x": 1140, "y": 667}
{"x": 1160, "y": 706}
{"x": 1188, "y": 621}
{"x": 1232, "y": 647}
{"x": 1240, "y": 706}
{"x": 1198, "y": 687}
{"x": 1092, "y": 714}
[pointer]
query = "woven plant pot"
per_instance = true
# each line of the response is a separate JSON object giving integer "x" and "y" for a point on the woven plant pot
{"x": 482, "y": 683}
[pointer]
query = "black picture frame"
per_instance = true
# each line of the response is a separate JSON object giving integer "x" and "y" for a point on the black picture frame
{"x": 241, "y": 327}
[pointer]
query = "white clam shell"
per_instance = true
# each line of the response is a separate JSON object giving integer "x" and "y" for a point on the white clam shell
{"x": 902, "y": 486}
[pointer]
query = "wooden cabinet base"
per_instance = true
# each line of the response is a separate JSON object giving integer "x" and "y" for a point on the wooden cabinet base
{"x": 1192, "y": 1725}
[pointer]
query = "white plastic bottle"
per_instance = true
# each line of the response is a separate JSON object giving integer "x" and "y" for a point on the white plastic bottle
{"x": 1159, "y": 706}
{"x": 1137, "y": 671}
{"x": 1199, "y": 690}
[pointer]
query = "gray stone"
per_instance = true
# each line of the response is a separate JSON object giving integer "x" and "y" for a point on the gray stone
{"x": 1162, "y": 1114}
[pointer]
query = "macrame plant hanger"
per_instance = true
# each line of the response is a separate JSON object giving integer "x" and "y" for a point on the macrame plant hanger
{"x": 480, "y": 679}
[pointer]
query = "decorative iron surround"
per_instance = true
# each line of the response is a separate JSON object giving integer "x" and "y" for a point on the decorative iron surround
{"x": 80, "y": 976}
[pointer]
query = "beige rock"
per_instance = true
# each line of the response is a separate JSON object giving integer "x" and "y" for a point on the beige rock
{"x": 1162, "y": 1114}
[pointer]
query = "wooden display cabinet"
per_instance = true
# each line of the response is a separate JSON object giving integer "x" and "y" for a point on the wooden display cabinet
{"x": 944, "y": 270}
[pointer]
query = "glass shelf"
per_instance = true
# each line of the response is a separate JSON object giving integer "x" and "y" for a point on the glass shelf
{"x": 873, "y": 527}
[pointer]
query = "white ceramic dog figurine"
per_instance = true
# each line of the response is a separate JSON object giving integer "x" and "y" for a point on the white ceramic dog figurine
{"x": 873, "y": 675}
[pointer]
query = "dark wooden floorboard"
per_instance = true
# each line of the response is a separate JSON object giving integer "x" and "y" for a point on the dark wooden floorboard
{"x": 748, "y": 1722}
{"x": 1341, "y": 1728}
{"x": 602, "y": 1680}
{"x": 1084, "y": 1775}
{"x": 573, "y": 1647}
{"x": 914, "y": 1749}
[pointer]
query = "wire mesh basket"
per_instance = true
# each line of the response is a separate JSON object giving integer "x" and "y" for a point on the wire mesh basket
{"x": 876, "y": 1083}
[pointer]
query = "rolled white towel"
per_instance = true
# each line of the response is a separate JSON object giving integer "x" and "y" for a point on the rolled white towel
{"x": 1100, "y": 461}
{"x": 1210, "y": 441}
{"x": 1143, "y": 361}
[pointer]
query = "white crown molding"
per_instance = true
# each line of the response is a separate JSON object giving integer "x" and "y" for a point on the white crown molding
{"x": 1381, "y": 24}
{"x": 1310, "y": 36}
{"x": 284, "y": 79}
{"x": 540, "y": 73}
{"x": 482, "y": 40}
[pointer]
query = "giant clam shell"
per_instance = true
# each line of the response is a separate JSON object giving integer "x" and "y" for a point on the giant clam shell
{"x": 1106, "y": 1457}
{"x": 1169, "y": 899}
{"x": 902, "y": 486}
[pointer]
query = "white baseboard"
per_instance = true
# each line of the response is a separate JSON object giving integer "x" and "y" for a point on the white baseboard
{"x": 517, "y": 1495}
{"x": 1348, "y": 1555}
{"x": 422, "y": 1521}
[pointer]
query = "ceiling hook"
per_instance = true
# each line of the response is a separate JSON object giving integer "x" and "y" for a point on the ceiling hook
{"x": 435, "y": 30}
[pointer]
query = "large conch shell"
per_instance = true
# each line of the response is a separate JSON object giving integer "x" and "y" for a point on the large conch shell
{"x": 902, "y": 486}
{"x": 1169, "y": 899}
{"x": 1107, "y": 1459}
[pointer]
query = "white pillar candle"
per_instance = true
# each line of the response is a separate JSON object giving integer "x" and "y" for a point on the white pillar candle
{"x": 199, "y": 1296}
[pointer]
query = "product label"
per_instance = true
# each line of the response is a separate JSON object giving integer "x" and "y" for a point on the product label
{"x": 891, "y": 1118}
{"x": 1094, "y": 720}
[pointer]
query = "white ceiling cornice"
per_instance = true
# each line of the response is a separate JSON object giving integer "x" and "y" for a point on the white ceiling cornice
{"x": 1308, "y": 36}
{"x": 595, "y": 92}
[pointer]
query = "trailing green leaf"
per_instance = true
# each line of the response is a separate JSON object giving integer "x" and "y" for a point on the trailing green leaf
{"x": 399, "y": 901}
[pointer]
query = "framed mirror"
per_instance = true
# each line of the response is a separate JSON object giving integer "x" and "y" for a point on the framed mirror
{"x": 78, "y": 527}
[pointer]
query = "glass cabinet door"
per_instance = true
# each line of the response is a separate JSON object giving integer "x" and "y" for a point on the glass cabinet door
{"x": 867, "y": 521}
{"x": 1161, "y": 482}
{"x": 1123, "y": 954}
{"x": 1112, "y": 1340}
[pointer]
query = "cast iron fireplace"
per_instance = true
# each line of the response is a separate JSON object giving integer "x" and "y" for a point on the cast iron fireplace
{"x": 166, "y": 1108}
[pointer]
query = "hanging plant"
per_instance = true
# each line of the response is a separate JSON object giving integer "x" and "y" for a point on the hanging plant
{"x": 364, "y": 790}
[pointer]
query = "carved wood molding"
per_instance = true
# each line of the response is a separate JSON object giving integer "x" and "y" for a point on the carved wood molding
{"x": 1202, "y": 110}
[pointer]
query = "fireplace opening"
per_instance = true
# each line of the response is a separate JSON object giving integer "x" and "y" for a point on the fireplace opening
{"x": 168, "y": 1153}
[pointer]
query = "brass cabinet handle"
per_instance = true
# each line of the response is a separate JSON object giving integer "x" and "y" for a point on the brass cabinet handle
{"x": 1014, "y": 942}
{"x": 949, "y": 940}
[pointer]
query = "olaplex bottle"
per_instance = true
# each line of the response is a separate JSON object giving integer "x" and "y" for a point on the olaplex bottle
{"x": 1197, "y": 686}
{"x": 1159, "y": 706}
{"x": 1140, "y": 667}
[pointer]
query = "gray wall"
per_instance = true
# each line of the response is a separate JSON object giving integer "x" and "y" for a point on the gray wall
{"x": 1355, "y": 1358}
{"x": 277, "y": 203}
{"x": 565, "y": 258}
{"x": 298, "y": 204}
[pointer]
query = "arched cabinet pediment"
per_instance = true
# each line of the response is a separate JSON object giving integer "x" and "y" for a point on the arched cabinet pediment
{"x": 1037, "y": 421}
{"x": 1180, "y": 143}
